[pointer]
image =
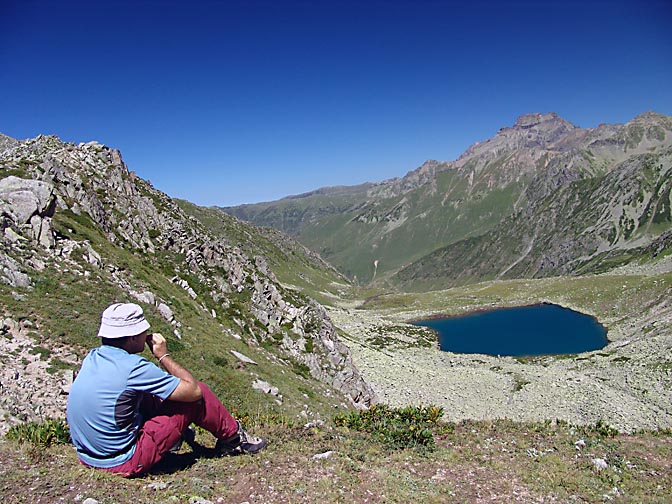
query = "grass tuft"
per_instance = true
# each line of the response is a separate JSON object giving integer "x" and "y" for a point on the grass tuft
{"x": 41, "y": 434}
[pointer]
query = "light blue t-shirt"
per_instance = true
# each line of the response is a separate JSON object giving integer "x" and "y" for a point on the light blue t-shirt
{"x": 104, "y": 402}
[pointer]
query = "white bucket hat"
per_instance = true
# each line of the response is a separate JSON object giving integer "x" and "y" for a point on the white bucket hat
{"x": 121, "y": 320}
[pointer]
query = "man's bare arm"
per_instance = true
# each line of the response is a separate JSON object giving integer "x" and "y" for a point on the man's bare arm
{"x": 187, "y": 390}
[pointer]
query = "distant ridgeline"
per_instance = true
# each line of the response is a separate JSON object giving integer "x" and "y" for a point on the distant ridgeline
{"x": 540, "y": 198}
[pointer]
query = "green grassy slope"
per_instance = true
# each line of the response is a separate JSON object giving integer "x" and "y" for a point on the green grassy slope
{"x": 473, "y": 461}
{"x": 66, "y": 306}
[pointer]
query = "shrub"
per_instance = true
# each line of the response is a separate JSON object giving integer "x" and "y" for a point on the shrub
{"x": 603, "y": 429}
{"x": 309, "y": 346}
{"x": 395, "y": 427}
{"x": 47, "y": 433}
{"x": 301, "y": 369}
{"x": 599, "y": 428}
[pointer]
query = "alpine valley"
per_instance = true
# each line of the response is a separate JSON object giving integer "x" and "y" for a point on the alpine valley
{"x": 539, "y": 199}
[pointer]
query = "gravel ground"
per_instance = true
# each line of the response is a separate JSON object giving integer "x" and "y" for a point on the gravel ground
{"x": 623, "y": 384}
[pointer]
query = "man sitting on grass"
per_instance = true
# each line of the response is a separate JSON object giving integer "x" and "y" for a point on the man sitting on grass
{"x": 125, "y": 413}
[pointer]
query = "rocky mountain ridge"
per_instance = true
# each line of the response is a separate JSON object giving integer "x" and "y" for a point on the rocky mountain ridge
{"x": 75, "y": 211}
{"x": 584, "y": 225}
{"x": 400, "y": 221}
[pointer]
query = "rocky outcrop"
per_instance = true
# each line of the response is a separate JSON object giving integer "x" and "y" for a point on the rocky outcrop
{"x": 7, "y": 143}
{"x": 29, "y": 206}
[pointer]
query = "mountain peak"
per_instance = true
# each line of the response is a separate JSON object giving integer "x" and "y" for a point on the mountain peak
{"x": 547, "y": 120}
{"x": 7, "y": 142}
{"x": 650, "y": 116}
{"x": 537, "y": 131}
{"x": 648, "y": 113}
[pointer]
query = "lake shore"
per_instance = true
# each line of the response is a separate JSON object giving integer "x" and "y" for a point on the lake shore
{"x": 626, "y": 384}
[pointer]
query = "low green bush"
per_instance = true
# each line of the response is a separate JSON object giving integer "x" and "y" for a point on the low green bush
{"x": 50, "y": 432}
{"x": 396, "y": 427}
{"x": 601, "y": 428}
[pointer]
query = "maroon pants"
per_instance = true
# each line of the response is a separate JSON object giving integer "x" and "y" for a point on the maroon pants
{"x": 166, "y": 421}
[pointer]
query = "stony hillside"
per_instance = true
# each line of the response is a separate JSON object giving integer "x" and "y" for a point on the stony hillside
{"x": 375, "y": 232}
{"x": 79, "y": 231}
{"x": 588, "y": 225}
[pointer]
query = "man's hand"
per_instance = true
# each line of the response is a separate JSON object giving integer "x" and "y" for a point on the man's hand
{"x": 187, "y": 390}
{"x": 157, "y": 345}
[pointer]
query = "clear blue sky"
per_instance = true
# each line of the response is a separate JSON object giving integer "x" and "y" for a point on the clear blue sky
{"x": 228, "y": 102}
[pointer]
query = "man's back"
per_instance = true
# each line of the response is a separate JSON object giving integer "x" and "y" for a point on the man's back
{"x": 104, "y": 401}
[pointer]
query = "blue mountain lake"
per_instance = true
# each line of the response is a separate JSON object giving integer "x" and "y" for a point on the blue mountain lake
{"x": 544, "y": 329}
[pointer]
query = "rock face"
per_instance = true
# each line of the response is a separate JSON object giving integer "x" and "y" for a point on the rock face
{"x": 31, "y": 204}
{"x": 7, "y": 142}
{"x": 91, "y": 184}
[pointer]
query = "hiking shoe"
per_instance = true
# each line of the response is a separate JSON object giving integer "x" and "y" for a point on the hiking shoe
{"x": 240, "y": 442}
